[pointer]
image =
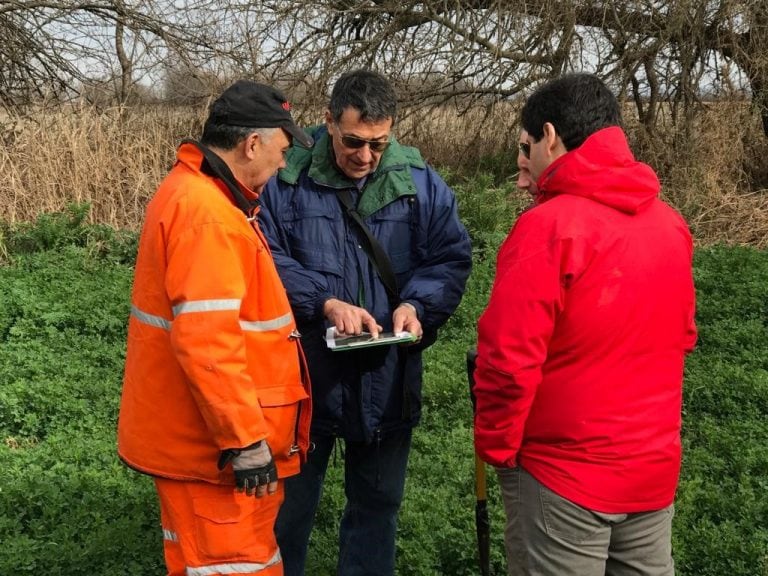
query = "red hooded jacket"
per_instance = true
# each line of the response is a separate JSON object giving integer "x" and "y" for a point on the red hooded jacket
{"x": 580, "y": 350}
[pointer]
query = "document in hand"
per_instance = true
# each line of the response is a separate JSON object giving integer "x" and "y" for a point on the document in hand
{"x": 339, "y": 342}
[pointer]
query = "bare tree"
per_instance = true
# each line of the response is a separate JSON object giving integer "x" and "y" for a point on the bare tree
{"x": 467, "y": 52}
{"x": 52, "y": 48}
{"x": 655, "y": 50}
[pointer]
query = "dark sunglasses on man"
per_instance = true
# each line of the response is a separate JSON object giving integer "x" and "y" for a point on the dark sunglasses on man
{"x": 354, "y": 142}
{"x": 525, "y": 148}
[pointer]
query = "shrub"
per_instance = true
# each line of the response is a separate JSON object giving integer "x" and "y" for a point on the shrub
{"x": 68, "y": 507}
{"x": 721, "y": 507}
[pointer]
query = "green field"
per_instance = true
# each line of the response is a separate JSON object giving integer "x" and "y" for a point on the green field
{"x": 68, "y": 507}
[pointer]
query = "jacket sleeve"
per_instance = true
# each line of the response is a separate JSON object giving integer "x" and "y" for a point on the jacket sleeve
{"x": 444, "y": 254}
{"x": 206, "y": 280}
{"x": 307, "y": 290}
{"x": 533, "y": 268}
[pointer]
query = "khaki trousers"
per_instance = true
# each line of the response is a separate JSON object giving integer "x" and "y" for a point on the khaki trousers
{"x": 547, "y": 535}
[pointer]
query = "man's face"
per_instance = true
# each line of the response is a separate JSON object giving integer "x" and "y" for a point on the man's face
{"x": 268, "y": 158}
{"x": 525, "y": 179}
{"x": 542, "y": 153}
{"x": 354, "y": 162}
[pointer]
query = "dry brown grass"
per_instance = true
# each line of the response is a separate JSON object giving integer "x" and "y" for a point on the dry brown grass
{"x": 462, "y": 140}
{"x": 112, "y": 159}
{"x": 715, "y": 173}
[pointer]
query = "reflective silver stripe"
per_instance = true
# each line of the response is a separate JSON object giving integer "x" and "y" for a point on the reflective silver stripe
{"x": 170, "y": 535}
{"x": 212, "y": 305}
{"x": 266, "y": 325}
{"x": 144, "y": 318}
{"x": 233, "y": 568}
{"x": 206, "y": 306}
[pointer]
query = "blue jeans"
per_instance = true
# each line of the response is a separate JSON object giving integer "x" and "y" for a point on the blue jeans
{"x": 374, "y": 481}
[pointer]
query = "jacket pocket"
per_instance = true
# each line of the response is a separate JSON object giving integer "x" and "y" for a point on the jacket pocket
{"x": 567, "y": 520}
{"x": 393, "y": 230}
{"x": 280, "y": 407}
{"x": 232, "y": 524}
{"x": 319, "y": 258}
{"x": 315, "y": 240}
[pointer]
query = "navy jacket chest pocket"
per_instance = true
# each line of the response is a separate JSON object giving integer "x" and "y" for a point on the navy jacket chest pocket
{"x": 393, "y": 226}
{"x": 315, "y": 235}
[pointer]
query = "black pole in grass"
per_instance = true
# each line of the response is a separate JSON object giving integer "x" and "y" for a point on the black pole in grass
{"x": 482, "y": 524}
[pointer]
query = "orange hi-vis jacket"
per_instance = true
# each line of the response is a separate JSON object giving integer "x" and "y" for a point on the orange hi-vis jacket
{"x": 213, "y": 359}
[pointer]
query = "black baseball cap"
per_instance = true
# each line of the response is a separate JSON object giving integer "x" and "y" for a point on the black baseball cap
{"x": 254, "y": 105}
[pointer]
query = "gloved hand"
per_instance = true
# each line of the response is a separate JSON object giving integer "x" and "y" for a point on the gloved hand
{"x": 255, "y": 470}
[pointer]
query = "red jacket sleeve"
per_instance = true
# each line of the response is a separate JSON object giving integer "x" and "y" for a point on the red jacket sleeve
{"x": 534, "y": 269}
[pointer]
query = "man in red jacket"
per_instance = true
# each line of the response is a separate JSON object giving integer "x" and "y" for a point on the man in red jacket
{"x": 581, "y": 348}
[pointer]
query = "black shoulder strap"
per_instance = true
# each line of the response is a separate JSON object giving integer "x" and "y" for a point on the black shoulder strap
{"x": 373, "y": 249}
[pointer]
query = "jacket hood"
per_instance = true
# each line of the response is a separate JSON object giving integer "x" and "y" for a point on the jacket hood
{"x": 602, "y": 169}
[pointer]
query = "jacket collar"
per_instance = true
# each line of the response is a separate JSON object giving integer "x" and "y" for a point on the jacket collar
{"x": 202, "y": 159}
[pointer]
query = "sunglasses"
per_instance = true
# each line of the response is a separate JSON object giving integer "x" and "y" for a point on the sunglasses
{"x": 355, "y": 143}
{"x": 525, "y": 148}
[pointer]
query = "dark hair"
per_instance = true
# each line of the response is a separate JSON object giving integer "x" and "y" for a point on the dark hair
{"x": 577, "y": 105}
{"x": 367, "y": 91}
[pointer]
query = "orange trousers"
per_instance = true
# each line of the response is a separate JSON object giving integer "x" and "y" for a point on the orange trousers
{"x": 212, "y": 530}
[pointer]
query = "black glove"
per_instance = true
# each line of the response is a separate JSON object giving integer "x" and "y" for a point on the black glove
{"x": 255, "y": 470}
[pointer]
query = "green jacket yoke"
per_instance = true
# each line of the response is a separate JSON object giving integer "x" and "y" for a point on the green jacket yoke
{"x": 391, "y": 180}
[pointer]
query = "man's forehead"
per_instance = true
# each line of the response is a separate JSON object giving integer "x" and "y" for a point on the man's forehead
{"x": 351, "y": 115}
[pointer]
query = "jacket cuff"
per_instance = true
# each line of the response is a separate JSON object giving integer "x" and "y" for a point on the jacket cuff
{"x": 321, "y": 304}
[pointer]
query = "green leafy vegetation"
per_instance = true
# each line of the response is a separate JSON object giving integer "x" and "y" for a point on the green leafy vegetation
{"x": 68, "y": 507}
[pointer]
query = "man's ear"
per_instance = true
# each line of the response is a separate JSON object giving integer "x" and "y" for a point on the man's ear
{"x": 554, "y": 145}
{"x": 328, "y": 119}
{"x": 251, "y": 144}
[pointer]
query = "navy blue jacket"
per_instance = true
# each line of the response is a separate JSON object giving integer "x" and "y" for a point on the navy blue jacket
{"x": 363, "y": 394}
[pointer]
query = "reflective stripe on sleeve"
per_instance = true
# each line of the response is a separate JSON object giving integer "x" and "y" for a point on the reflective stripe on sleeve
{"x": 206, "y": 306}
{"x": 233, "y": 567}
{"x": 150, "y": 319}
{"x": 266, "y": 325}
{"x": 170, "y": 535}
{"x": 209, "y": 306}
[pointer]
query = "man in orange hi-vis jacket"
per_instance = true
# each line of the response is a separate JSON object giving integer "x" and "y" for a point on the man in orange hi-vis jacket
{"x": 215, "y": 395}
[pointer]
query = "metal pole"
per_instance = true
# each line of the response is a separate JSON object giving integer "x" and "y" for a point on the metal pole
{"x": 482, "y": 524}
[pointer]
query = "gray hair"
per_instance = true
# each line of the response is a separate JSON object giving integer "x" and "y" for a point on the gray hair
{"x": 225, "y": 137}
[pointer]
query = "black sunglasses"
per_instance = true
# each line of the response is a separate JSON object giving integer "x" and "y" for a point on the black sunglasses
{"x": 525, "y": 148}
{"x": 355, "y": 143}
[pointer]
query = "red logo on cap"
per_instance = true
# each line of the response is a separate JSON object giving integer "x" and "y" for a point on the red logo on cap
{"x": 286, "y": 106}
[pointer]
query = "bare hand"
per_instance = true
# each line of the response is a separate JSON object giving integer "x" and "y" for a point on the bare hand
{"x": 350, "y": 319}
{"x": 404, "y": 319}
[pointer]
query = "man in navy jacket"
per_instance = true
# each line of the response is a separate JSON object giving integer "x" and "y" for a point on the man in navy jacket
{"x": 370, "y": 398}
